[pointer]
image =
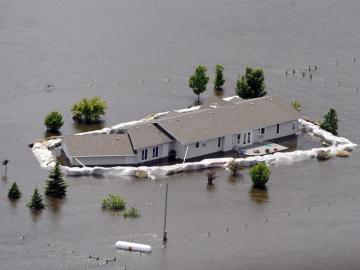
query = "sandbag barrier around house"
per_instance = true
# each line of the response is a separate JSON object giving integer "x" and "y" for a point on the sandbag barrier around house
{"x": 47, "y": 151}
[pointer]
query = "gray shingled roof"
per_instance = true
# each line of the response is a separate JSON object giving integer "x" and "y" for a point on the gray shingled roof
{"x": 145, "y": 135}
{"x": 99, "y": 145}
{"x": 238, "y": 116}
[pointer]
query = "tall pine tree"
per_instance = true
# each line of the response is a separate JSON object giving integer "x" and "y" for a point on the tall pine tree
{"x": 36, "y": 201}
{"x": 56, "y": 185}
{"x": 14, "y": 192}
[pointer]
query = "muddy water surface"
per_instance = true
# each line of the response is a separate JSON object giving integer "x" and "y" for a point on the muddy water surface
{"x": 137, "y": 55}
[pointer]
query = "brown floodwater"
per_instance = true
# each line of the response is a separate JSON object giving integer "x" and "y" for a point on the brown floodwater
{"x": 138, "y": 55}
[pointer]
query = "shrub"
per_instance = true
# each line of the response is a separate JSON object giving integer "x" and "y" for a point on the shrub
{"x": 296, "y": 105}
{"x": 260, "y": 174}
{"x": 113, "y": 202}
{"x": 36, "y": 202}
{"x": 56, "y": 185}
{"x": 132, "y": 212}
{"x": 234, "y": 167}
{"x": 53, "y": 121}
{"x": 14, "y": 192}
{"x": 89, "y": 110}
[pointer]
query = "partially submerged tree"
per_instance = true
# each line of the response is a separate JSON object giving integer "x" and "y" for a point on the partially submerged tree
{"x": 211, "y": 175}
{"x": 14, "y": 192}
{"x": 89, "y": 110}
{"x": 252, "y": 84}
{"x": 198, "y": 81}
{"x": 219, "y": 77}
{"x": 56, "y": 185}
{"x": 330, "y": 122}
{"x": 296, "y": 105}
{"x": 234, "y": 167}
{"x": 260, "y": 174}
{"x": 132, "y": 212}
{"x": 36, "y": 202}
{"x": 53, "y": 121}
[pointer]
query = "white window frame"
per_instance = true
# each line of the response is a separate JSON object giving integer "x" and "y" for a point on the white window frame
{"x": 203, "y": 144}
{"x": 197, "y": 145}
{"x": 155, "y": 152}
{"x": 144, "y": 153}
{"x": 238, "y": 139}
{"x": 262, "y": 131}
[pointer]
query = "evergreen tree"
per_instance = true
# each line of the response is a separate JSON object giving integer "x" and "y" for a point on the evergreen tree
{"x": 252, "y": 84}
{"x": 36, "y": 201}
{"x": 330, "y": 122}
{"x": 198, "y": 81}
{"x": 219, "y": 77}
{"x": 56, "y": 185}
{"x": 14, "y": 192}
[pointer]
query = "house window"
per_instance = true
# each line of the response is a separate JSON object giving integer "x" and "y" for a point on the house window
{"x": 155, "y": 152}
{"x": 197, "y": 145}
{"x": 248, "y": 137}
{"x": 244, "y": 138}
{"x": 144, "y": 154}
{"x": 277, "y": 128}
{"x": 261, "y": 131}
{"x": 294, "y": 126}
{"x": 203, "y": 144}
{"x": 238, "y": 139}
{"x": 219, "y": 142}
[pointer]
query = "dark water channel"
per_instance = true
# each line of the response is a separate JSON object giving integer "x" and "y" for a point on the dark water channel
{"x": 137, "y": 55}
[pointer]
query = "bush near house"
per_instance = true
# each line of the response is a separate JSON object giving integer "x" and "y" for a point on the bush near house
{"x": 260, "y": 174}
{"x": 234, "y": 167}
{"x": 53, "y": 121}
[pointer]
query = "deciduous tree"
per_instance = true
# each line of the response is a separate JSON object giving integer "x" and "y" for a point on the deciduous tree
{"x": 198, "y": 81}
{"x": 252, "y": 84}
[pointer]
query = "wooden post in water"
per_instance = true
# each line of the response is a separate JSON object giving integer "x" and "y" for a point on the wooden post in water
{"x": 5, "y": 163}
{"x": 165, "y": 213}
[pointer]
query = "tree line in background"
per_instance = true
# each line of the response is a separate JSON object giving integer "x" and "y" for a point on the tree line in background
{"x": 249, "y": 85}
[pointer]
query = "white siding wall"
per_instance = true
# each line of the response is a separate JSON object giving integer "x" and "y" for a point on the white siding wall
{"x": 286, "y": 129}
{"x": 228, "y": 143}
{"x": 211, "y": 147}
{"x": 163, "y": 152}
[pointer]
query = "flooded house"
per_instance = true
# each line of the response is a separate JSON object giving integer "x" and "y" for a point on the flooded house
{"x": 218, "y": 126}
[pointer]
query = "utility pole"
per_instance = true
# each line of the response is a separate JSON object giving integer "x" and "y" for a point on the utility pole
{"x": 165, "y": 213}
